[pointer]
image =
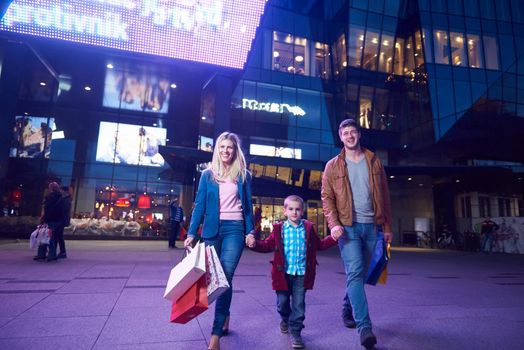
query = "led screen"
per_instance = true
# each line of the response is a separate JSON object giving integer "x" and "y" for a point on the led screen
{"x": 218, "y": 32}
{"x": 32, "y": 137}
{"x": 130, "y": 144}
{"x": 136, "y": 90}
{"x": 271, "y": 151}
{"x": 205, "y": 143}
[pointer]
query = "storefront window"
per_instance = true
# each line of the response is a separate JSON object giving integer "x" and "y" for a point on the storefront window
{"x": 356, "y": 45}
{"x": 441, "y": 47}
{"x": 491, "y": 51}
{"x": 381, "y": 119}
{"x": 385, "y": 60}
{"x": 458, "y": 53}
{"x": 475, "y": 51}
{"x": 371, "y": 50}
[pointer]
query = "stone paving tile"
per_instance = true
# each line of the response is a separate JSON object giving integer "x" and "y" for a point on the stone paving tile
{"x": 172, "y": 345}
{"x": 42, "y": 342}
{"x": 14, "y": 304}
{"x": 52, "y": 326}
{"x": 71, "y": 305}
{"x": 94, "y": 286}
{"x": 146, "y": 325}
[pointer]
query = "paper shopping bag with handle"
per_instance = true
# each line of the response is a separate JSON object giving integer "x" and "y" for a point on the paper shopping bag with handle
{"x": 186, "y": 272}
{"x": 216, "y": 278}
{"x": 191, "y": 304}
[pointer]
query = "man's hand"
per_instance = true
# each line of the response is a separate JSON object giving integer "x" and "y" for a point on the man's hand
{"x": 250, "y": 240}
{"x": 388, "y": 236}
{"x": 188, "y": 242}
{"x": 336, "y": 232}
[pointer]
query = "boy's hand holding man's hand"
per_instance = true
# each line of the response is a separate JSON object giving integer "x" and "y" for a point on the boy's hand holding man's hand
{"x": 336, "y": 232}
{"x": 250, "y": 240}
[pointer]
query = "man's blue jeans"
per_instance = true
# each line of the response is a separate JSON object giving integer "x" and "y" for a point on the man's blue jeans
{"x": 356, "y": 246}
{"x": 229, "y": 244}
{"x": 295, "y": 313}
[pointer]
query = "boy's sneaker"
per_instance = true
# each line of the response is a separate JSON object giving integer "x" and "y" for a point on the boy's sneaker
{"x": 347, "y": 318}
{"x": 367, "y": 338}
{"x": 296, "y": 341}
{"x": 284, "y": 328}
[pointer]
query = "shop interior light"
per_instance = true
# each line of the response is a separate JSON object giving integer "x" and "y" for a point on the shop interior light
{"x": 87, "y": 88}
{"x": 299, "y": 58}
{"x": 42, "y": 83}
{"x": 410, "y": 178}
{"x": 110, "y": 66}
{"x": 276, "y": 54}
{"x": 173, "y": 86}
{"x": 144, "y": 202}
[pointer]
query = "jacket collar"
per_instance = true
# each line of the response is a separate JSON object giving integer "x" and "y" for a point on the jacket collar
{"x": 367, "y": 154}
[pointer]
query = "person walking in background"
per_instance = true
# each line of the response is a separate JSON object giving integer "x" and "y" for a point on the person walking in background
{"x": 488, "y": 229}
{"x": 295, "y": 243}
{"x": 177, "y": 218}
{"x": 224, "y": 204}
{"x": 66, "y": 203}
{"x": 355, "y": 199}
{"x": 54, "y": 218}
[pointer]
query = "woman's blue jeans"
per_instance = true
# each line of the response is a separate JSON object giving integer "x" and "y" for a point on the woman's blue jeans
{"x": 356, "y": 246}
{"x": 229, "y": 244}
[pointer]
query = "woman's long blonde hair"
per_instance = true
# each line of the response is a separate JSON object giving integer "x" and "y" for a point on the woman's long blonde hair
{"x": 237, "y": 170}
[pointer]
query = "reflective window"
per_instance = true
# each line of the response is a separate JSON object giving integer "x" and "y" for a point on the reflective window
{"x": 491, "y": 52}
{"x": 475, "y": 51}
{"x": 419, "y": 57}
{"x": 289, "y": 53}
{"x": 340, "y": 54}
{"x": 356, "y": 45}
{"x": 399, "y": 57}
{"x": 410, "y": 56}
{"x": 428, "y": 53}
{"x": 385, "y": 58}
{"x": 440, "y": 43}
{"x": 458, "y": 53}
{"x": 381, "y": 119}
{"x": 370, "y": 50}
{"x": 322, "y": 65}
{"x": 366, "y": 107}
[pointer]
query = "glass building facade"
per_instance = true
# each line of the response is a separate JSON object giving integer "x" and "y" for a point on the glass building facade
{"x": 437, "y": 86}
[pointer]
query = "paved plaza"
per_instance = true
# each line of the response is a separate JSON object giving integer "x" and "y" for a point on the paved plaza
{"x": 108, "y": 295}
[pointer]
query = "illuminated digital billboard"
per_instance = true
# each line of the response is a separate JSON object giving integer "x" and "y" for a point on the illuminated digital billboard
{"x": 130, "y": 144}
{"x": 218, "y": 32}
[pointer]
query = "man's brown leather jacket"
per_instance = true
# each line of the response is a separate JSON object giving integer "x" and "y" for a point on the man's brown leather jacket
{"x": 337, "y": 198}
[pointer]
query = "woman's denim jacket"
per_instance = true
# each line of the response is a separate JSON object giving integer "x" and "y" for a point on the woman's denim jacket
{"x": 207, "y": 206}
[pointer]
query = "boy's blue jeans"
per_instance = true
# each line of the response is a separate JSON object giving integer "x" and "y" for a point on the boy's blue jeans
{"x": 293, "y": 313}
{"x": 356, "y": 246}
{"x": 229, "y": 244}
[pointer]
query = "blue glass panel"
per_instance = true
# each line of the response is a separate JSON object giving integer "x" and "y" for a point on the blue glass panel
{"x": 446, "y": 103}
{"x": 462, "y": 96}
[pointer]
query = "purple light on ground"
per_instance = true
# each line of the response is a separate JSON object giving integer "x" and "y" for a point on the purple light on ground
{"x": 218, "y": 32}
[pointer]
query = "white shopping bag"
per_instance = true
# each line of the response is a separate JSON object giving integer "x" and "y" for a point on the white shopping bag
{"x": 216, "y": 278}
{"x": 186, "y": 273}
{"x": 41, "y": 235}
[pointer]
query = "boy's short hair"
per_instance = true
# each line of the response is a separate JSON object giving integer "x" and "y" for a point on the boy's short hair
{"x": 293, "y": 198}
{"x": 348, "y": 123}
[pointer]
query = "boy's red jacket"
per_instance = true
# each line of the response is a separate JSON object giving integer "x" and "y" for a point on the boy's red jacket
{"x": 274, "y": 243}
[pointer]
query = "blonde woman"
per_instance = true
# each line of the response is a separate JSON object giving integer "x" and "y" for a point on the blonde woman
{"x": 223, "y": 202}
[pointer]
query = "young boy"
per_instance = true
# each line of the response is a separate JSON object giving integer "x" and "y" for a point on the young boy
{"x": 295, "y": 244}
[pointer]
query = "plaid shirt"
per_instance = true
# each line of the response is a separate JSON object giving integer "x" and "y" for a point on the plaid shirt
{"x": 294, "y": 240}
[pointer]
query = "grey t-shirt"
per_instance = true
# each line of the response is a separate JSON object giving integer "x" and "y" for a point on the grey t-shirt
{"x": 359, "y": 181}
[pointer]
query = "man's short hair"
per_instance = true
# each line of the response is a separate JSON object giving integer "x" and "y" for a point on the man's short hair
{"x": 348, "y": 123}
{"x": 293, "y": 198}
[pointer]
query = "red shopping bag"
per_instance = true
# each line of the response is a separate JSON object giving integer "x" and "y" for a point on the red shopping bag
{"x": 191, "y": 304}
